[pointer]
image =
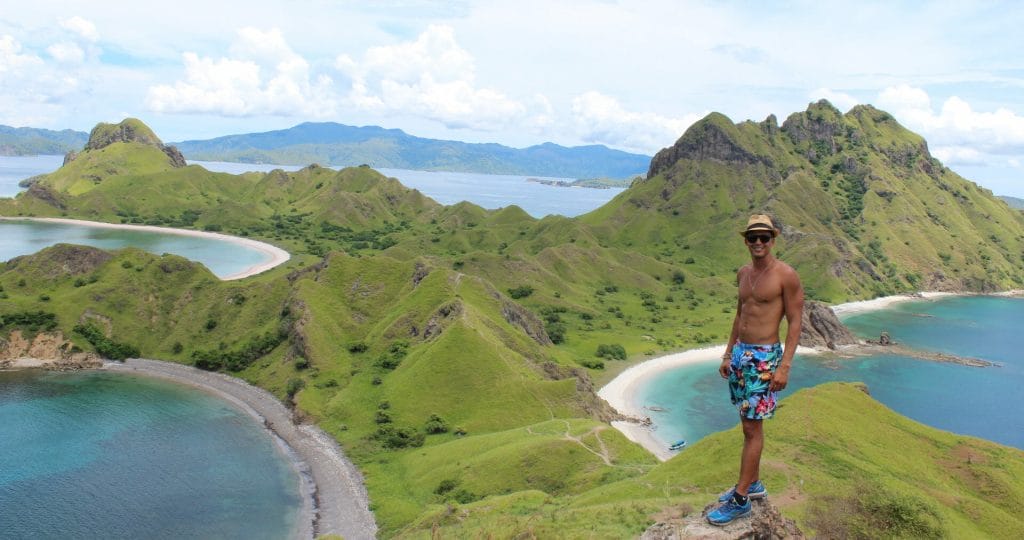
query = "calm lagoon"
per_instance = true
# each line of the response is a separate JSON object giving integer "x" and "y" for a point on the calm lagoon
{"x": 967, "y": 400}
{"x": 223, "y": 258}
{"x": 104, "y": 455}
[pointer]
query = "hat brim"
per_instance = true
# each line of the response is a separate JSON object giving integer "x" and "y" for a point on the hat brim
{"x": 760, "y": 228}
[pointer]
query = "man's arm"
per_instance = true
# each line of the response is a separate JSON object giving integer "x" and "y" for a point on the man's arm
{"x": 793, "y": 307}
{"x": 723, "y": 368}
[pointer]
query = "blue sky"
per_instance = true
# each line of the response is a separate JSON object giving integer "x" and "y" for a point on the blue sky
{"x": 631, "y": 75}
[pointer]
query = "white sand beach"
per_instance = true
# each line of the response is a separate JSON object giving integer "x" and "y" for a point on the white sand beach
{"x": 276, "y": 255}
{"x": 620, "y": 393}
{"x": 335, "y": 499}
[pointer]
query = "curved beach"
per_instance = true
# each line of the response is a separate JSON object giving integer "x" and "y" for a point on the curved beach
{"x": 621, "y": 392}
{"x": 335, "y": 500}
{"x": 275, "y": 255}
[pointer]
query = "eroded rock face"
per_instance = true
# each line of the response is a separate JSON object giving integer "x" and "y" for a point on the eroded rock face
{"x": 49, "y": 350}
{"x": 821, "y": 328}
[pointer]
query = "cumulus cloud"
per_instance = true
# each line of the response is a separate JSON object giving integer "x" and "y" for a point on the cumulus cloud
{"x": 263, "y": 76}
{"x": 82, "y": 28}
{"x": 12, "y": 61}
{"x": 957, "y": 133}
{"x": 432, "y": 77}
{"x": 602, "y": 119}
{"x": 840, "y": 100}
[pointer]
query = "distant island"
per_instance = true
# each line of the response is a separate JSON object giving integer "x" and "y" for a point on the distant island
{"x": 26, "y": 141}
{"x": 330, "y": 143}
{"x": 593, "y": 183}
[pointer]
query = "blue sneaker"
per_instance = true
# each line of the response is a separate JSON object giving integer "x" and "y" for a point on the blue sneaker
{"x": 756, "y": 491}
{"x": 727, "y": 512}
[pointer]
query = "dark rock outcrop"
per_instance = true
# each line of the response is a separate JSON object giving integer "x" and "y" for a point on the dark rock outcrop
{"x": 523, "y": 318}
{"x": 821, "y": 328}
{"x": 62, "y": 260}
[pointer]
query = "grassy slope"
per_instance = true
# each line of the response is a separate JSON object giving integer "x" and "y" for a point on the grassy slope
{"x": 650, "y": 271}
{"x": 828, "y": 445}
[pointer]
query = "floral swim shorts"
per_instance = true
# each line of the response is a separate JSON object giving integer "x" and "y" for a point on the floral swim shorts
{"x": 750, "y": 374}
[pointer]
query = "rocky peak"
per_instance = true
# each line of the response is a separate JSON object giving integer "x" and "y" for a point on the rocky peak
{"x": 819, "y": 125}
{"x": 129, "y": 130}
{"x": 713, "y": 138}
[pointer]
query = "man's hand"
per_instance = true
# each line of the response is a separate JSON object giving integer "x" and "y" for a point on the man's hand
{"x": 779, "y": 379}
{"x": 723, "y": 369}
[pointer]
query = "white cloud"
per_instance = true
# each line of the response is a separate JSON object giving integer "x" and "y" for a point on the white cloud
{"x": 12, "y": 61}
{"x": 602, "y": 119}
{"x": 81, "y": 27}
{"x": 962, "y": 133}
{"x": 431, "y": 77}
{"x": 264, "y": 77}
{"x": 66, "y": 52}
{"x": 843, "y": 102}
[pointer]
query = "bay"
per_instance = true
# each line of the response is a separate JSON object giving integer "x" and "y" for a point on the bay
{"x": 14, "y": 169}
{"x": 222, "y": 257}
{"x": 104, "y": 455}
{"x": 962, "y": 399}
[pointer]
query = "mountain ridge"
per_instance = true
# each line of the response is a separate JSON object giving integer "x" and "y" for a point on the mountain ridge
{"x": 331, "y": 143}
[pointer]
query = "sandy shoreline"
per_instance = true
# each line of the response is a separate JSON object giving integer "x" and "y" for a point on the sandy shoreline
{"x": 276, "y": 255}
{"x": 335, "y": 500}
{"x": 620, "y": 393}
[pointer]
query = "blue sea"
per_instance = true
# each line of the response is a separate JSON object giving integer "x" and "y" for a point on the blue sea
{"x": 966, "y": 400}
{"x": 104, "y": 455}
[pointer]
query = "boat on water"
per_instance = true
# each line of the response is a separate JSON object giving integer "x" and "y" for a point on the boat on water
{"x": 678, "y": 445}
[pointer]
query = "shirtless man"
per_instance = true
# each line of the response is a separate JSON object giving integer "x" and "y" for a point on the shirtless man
{"x": 756, "y": 366}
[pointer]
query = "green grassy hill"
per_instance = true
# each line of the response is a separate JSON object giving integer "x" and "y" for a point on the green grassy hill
{"x": 453, "y": 351}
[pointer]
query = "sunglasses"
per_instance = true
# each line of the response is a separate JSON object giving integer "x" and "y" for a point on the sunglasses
{"x": 754, "y": 238}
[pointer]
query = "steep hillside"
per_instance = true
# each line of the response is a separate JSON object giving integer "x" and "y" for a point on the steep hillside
{"x": 864, "y": 209}
{"x": 329, "y": 143}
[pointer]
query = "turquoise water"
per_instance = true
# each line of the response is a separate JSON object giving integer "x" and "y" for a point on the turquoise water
{"x": 102, "y": 455}
{"x": 221, "y": 257}
{"x": 14, "y": 169}
{"x": 966, "y": 400}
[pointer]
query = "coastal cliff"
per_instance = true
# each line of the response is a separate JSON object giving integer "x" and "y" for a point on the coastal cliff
{"x": 47, "y": 350}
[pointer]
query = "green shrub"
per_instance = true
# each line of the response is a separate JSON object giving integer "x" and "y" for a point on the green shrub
{"x": 445, "y": 486}
{"x": 521, "y": 291}
{"x": 105, "y": 346}
{"x": 592, "y": 363}
{"x": 436, "y": 425}
{"x": 611, "y": 352}
{"x": 392, "y": 437}
{"x": 31, "y": 321}
{"x": 294, "y": 385}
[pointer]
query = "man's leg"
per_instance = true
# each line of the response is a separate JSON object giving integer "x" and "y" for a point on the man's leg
{"x": 750, "y": 459}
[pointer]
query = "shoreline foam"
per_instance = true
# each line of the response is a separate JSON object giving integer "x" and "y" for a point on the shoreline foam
{"x": 276, "y": 256}
{"x": 335, "y": 500}
{"x": 621, "y": 391}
